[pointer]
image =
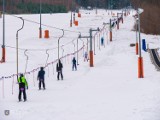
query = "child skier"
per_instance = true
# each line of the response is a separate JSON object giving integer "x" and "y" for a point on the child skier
{"x": 74, "y": 66}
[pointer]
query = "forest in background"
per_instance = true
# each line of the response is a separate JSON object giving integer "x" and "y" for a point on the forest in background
{"x": 107, "y": 4}
{"x": 58, "y": 6}
{"x": 150, "y": 18}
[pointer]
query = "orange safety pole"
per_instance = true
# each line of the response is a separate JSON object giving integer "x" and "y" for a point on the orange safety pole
{"x": 140, "y": 67}
{"x": 79, "y": 15}
{"x": 110, "y": 36}
{"x": 40, "y": 33}
{"x": 140, "y": 59}
{"x": 70, "y": 23}
{"x": 91, "y": 58}
{"x": 71, "y": 19}
{"x": 136, "y": 48}
{"x": 74, "y": 17}
{"x": 117, "y": 24}
{"x": 3, "y": 54}
{"x": 110, "y": 31}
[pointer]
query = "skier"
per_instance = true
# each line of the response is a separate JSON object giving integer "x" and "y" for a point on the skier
{"x": 85, "y": 56}
{"x": 59, "y": 70}
{"x": 74, "y": 64}
{"x": 22, "y": 87}
{"x": 112, "y": 25}
{"x": 102, "y": 41}
{"x": 40, "y": 77}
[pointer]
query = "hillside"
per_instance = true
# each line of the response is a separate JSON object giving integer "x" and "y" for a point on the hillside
{"x": 111, "y": 90}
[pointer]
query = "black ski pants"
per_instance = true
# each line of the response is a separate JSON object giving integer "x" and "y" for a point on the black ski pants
{"x": 60, "y": 73}
{"x": 22, "y": 90}
{"x": 74, "y": 66}
{"x": 41, "y": 81}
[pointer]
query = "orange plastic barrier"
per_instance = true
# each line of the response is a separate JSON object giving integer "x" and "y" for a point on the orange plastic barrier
{"x": 46, "y": 34}
{"x": 76, "y": 23}
{"x": 79, "y": 15}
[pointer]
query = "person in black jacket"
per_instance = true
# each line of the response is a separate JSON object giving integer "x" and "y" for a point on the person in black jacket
{"x": 59, "y": 70}
{"x": 74, "y": 66}
{"x": 40, "y": 77}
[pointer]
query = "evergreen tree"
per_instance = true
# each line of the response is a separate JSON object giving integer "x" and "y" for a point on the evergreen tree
{"x": 110, "y": 4}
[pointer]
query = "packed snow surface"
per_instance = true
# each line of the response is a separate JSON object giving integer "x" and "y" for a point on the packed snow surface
{"x": 111, "y": 90}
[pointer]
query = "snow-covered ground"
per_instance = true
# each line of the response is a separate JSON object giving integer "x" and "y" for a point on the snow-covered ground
{"x": 110, "y": 90}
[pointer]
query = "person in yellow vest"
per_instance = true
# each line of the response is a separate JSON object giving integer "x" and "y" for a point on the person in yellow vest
{"x": 22, "y": 87}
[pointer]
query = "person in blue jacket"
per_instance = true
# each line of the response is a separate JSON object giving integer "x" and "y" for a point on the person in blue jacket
{"x": 40, "y": 77}
{"x": 86, "y": 56}
{"x": 102, "y": 41}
